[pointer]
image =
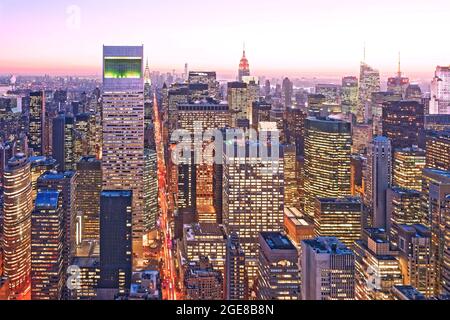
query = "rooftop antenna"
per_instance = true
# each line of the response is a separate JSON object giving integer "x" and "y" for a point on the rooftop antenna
{"x": 364, "y": 52}
{"x": 399, "y": 65}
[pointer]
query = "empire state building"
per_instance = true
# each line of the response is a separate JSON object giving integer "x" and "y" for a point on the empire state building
{"x": 244, "y": 67}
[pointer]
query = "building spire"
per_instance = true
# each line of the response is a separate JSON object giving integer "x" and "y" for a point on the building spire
{"x": 364, "y": 52}
{"x": 399, "y": 71}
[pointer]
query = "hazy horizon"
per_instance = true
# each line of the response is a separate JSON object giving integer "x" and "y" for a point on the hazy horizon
{"x": 292, "y": 38}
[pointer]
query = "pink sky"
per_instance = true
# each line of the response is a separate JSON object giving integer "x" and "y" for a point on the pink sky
{"x": 283, "y": 37}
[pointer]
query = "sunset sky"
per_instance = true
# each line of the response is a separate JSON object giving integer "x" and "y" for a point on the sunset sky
{"x": 283, "y": 37}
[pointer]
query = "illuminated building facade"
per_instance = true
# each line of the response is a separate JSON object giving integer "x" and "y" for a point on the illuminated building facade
{"x": 440, "y": 91}
{"x": 203, "y": 117}
{"x": 327, "y": 160}
{"x": 408, "y": 166}
{"x": 89, "y": 278}
{"x": 123, "y": 128}
{"x": 403, "y": 123}
{"x": 377, "y": 266}
{"x": 206, "y": 77}
{"x": 369, "y": 82}
{"x": 436, "y": 191}
{"x": 205, "y": 240}
{"x": 278, "y": 268}
{"x": 287, "y": 92}
{"x": 378, "y": 178}
{"x": 362, "y": 135}
{"x": 349, "y": 94}
{"x": 244, "y": 67}
{"x": 327, "y": 270}
{"x": 202, "y": 282}
{"x": 415, "y": 256}
{"x": 376, "y": 108}
{"x": 332, "y": 93}
{"x": 256, "y": 203}
{"x": 47, "y": 244}
{"x": 39, "y": 165}
{"x": 17, "y": 209}
{"x": 291, "y": 194}
{"x": 150, "y": 190}
{"x": 403, "y": 208}
{"x": 235, "y": 275}
{"x": 116, "y": 240}
{"x": 446, "y": 267}
{"x": 65, "y": 183}
{"x": 295, "y": 131}
{"x": 38, "y": 135}
{"x": 237, "y": 94}
{"x": 438, "y": 150}
{"x": 63, "y": 142}
{"x": 340, "y": 218}
{"x": 88, "y": 189}
{"x": 316, "y": 105}
{"x": 260, "y": 112}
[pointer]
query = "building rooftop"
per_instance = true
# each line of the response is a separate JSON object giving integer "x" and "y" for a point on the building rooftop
{"x": 277, "y": 241}
{"x": 116, "y": 193}
{"x": 47, "y": 199}
{"x": 54, "y": 175}
{"x": 330, "y": 245}
{"x": 410, "y": 292}
{"x": 340, "y": 200}
{"x": 42, "y": 161}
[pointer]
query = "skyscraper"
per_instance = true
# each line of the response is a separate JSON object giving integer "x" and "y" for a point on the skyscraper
{"x": 47, "y": 244}
{"x": 205, "y": 240}
{"x": 291, "y": 192}
{"x": 38, "y": 136}
{"x": 39, "y": 165}
{"x": 440, "y": 91}
{"x": 278, "y": 268}
{"x": 287, "y": 92}
{"x": 369, "y": 82}
{"x": 244, "y": 67}
{"x": 63, "y": 142}
{"x": 398, "y": 84}
{"x": 437, "y": 150}
{"x": 416, "y": 257}
{"x": 349, "y": 94}
{"x": 379, "y": 177}
{"x": 17, "y": 209}
{"x": 150, "y": 190}
{"x": 89, "y": 186}
{"x": 202, "y": 281}
{"x": 408, "y": 165}
{"x": 238, "y": 101}
{"x": 123, "y": 128}
{"x": 436, "y": 188}
{"x": 403, "y": 123}
{"x": 327, "y": 160}
{"x": 340, "y": 218}
{"x": 377, "y": 266}
{"x": 236, "y": 282}
{"x": 331, "y": 92}
{"x": 256, "y": 203}
{"x": 116, "y": 240}
{"x": 65, "y": 183}
{"x": 327, "y": 270}
{"x": 403, "y": 208}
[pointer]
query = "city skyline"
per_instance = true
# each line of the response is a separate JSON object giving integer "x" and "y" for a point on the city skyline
{"x": 275, "y": 38}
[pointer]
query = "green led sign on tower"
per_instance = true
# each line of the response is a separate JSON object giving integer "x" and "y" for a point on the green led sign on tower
{"x": 123, "y": 68}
